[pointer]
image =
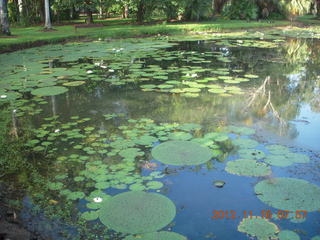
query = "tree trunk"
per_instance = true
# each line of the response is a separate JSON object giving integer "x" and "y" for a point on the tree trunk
{"x": 101, "y": 12}
{"x": 126, "y": 11}
{"x": 20, "y": 6}
{"x": 47, "y": 24}
{"x": 4, "y": 21}
{"x": 89, "y": 19}
{"x": 140, "y": 12}
{"x": 218, "y": 6}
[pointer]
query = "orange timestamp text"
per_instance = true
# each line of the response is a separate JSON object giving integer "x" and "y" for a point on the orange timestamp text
{"x": 267, "y": 214}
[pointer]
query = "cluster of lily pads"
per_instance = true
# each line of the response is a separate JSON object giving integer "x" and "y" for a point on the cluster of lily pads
{"x": 113, "y": 160}
{"x": 258, "y": 162}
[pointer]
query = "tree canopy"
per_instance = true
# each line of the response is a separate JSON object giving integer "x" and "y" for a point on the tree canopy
{"x": 29, "y": 12}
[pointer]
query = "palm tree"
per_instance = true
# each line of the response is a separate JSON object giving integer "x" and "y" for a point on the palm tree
{"x": 47, "y": 14}
{"x": 4, "y": 21}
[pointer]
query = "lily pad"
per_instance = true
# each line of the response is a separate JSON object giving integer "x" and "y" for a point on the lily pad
{"x": 157, "y": 236}
{"x": 49, "y": 91}
{"x": 278, "y": 160}
{"x": 180, "y": 136}
{"x": 277, "y": 149}
{"x": 258, "y": 227}
{"x": 288, "y": 235}
{"x": 90, "y": 215}
{"x": 289, "y": 194}
{"x": 245, "y": 143}
{"x": 74, "y": 83}
{"x": 181, "y": 153}
{"x": 248, "y": 167}
{"x": 137, "y": 212}
{"x": 251, "y": 154}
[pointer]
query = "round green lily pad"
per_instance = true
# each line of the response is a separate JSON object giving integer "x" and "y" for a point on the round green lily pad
{"x": 248, "y": 167}
{"x": 137, "y": 212}
{"x": 277, "y": 149}
{"x": 245, "y": 143}
{"x": 49, "y": 91}
{"x": 278, "y": 160}
{"x": 180, "y": 136}
{"x": 289, "y": 194}
{"x": 181, "y": 153}
{"x": 258, "y": 227}
{"x": 74, "y": 83}
{"x": 251, "y": 154}
{"x": 154, "y": 185}
{"x": 157, "y": 236}
{"x": 90, "y": 215}
{"x": 288, "y": 235}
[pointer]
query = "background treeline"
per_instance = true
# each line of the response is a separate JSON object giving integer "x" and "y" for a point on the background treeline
{"x": 29, "y": 12}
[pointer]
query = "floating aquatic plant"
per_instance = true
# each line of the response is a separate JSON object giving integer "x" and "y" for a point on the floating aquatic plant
{"x": 245, "y": 143}
{"x": 137, "y": 212}
{"x": 258, "y": 227}
{"x": 288, "y": 235}
{"x": 157, "y": 236}
{"x": 90, "y": 215}
{"x": 251, "y": 154}
{"x": 181, "y": 153}
{"x": 289, "y": 194}
{"x": 49, "y": 91}
{"x": 247, "y": 167}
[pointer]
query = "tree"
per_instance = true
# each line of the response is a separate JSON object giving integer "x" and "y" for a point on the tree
{"x": 293, "y": 8}
{"x": 196, "y": 9}
{"x": 47, "y": 24}
{"x": 89, "y": 6}
{"x": 218, "y": 5}
{"x": 4, "y": 21}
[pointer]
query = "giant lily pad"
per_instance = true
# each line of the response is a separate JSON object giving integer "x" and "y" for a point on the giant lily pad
{"x": 49, "y": 91}
{"x": 247, "y": 167}
{"x": 258, "y": 227}
{"x": 137, "y": 212}
{"x": 157, "y": 236}
{"x": 289, "y": 194}
{"x": 288, "y": 235}
{"x": 181, "y": 153}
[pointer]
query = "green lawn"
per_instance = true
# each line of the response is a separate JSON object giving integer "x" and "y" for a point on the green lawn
{"x": 24, "y": 37}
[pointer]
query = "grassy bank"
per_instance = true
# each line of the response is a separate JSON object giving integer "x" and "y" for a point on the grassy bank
{"x": 33, "y": 36}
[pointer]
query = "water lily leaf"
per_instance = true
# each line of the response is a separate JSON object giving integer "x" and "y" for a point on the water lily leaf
{"x": 258, "y": 227}
{"x": 289, "y": 194}
{"x": 278, "y": 160}
{"x": 90, "y": 215}
{"x": 157, "y": 236}
{"x": 49, "y": 91}
{"x": 148, "y": 212}
{"x": 247, "y": 167}
{"x": 278, "y": 149}
{"x": 180, "y": 136}
{"x": 181, "y": 153}
{"x": 288, "y": 235}
{"x": 137, "y": 187}
{"x": 251, "y": 154}
{"x": 154, "y": 185}
{"x": 245, "y": 143}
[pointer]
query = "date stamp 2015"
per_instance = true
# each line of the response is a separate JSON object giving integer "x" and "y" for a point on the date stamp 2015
{"x": 267, "y": 214}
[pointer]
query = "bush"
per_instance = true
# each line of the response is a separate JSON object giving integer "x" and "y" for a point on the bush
{"x": 241, "y": 9}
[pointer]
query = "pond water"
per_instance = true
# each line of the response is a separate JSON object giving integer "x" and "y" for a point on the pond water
{"x": 123, "y": 139}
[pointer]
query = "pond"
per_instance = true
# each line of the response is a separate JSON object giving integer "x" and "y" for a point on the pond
{"x": 164, "y": 138}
